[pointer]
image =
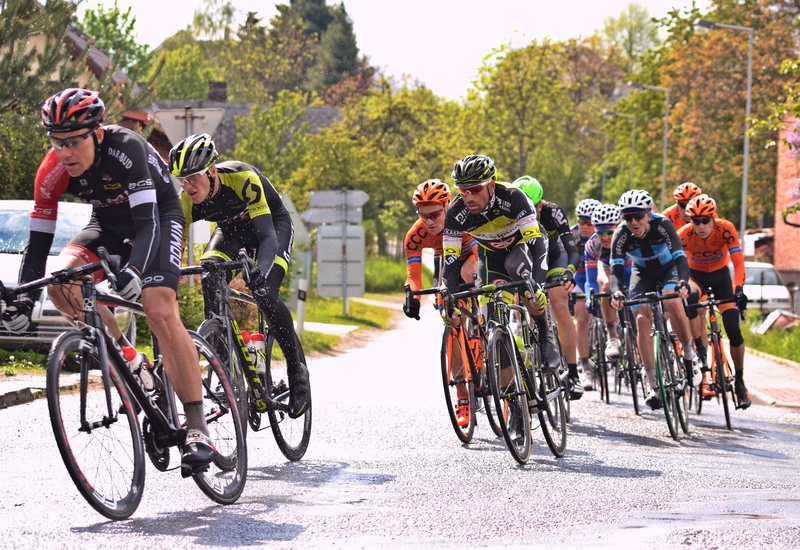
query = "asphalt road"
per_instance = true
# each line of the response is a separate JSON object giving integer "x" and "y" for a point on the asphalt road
{"x": 385, "y": 470}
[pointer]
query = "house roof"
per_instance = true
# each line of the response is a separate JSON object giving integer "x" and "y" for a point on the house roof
{"x": 225, "y": 134}
{"x": 97, "y": 60}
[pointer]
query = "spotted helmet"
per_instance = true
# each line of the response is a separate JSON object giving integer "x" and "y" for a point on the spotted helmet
{"x": 606, "y": 214}
{"x": 585, "y": 207}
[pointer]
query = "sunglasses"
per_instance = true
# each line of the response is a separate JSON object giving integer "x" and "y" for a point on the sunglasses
{"x": 683, "y": 204}
{"x": 191, "y": 180}
{"x": 431, "y": 215}
{"x": 475, "y": 189}
{"x": 639, "y": 216}
{"x": 69, "y": 143}
{"x": 604, "y": 232}
{"x": 582, "y": 221}
{"x": 701, "y": 221}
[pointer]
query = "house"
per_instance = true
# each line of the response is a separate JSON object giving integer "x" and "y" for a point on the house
{"x": 786, "y": 258}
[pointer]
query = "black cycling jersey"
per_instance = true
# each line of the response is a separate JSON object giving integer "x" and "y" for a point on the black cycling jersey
{"x": 132, "y": 193}
{"x": 554, "y": 220}
{"x": 658, "y": 249}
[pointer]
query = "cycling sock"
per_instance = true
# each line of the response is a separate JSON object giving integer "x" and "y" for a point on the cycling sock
{"x": 651, "y": 379}
{"x": 740, "y": 376}
{"x": 573, "y": 370}
{"x": 195, "y": 417}
{"x": 541, "y": 326}
{"x": 698, "y": 345}
{"x": 688, "y": 350}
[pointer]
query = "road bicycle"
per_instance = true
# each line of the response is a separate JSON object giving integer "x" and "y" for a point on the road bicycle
{"x": 672, "y": 383}
{"x": 256, "y": 393}
{"x": 598, "y": 336}
{"x": 519, "y": 383}
{"x": 721, "y": 384}
{"x": 96, "y": 426}
{"x": 463, "y": 359}
{"x": 563, "y": 370}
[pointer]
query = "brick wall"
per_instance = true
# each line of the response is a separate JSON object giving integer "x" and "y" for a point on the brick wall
{"x": 787, "y": 238}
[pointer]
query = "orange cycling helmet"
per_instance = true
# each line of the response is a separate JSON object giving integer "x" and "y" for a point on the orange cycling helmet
{"x": 686, "y": 192}
{"x": 702, "y": 206}
{"x": 431, "y": 192}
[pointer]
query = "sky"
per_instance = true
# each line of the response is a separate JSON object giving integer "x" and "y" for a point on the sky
{"x": 440, "y": 43}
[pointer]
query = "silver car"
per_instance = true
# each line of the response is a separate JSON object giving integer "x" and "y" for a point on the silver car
{"x": 47, "y": 321}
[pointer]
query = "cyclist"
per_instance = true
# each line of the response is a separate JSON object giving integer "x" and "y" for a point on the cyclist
{"x": 711, "y": 243}
{"x": 249, "y": 214}
{"x": 581, "y": 233}
{"x": 653, "y": 244}
{"x": 431, "y": 199}
{"x": 682, "y": 195}
{"x": 134, "y": 200}
{"x": 597, "y": 256}
{"x": 562, "y": 257}
{"x": 503, "y": 222}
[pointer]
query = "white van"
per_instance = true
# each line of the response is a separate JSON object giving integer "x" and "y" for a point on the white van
{"x": 765, "y": 288}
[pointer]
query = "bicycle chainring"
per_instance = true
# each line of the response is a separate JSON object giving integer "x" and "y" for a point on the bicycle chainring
{"x": 158, "y": 456}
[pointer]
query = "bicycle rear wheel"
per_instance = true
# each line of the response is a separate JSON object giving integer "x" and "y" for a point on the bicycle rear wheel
{"x": 215, "y": 332}
{"x": 553, "y": 419}
{"x": 100, "y": 442}
{"x": 664, "y": 376}
{"x": 723, "y": 381}
{"x": 224, "y": 480}
{"x": 291, "y": 434}
{"x": 680, "y": 384}
{"x": 509, "y": 394}
{"x": 457, "y": 381}
{"x": 597, "y": 343}
{"x": 632, "y": 367}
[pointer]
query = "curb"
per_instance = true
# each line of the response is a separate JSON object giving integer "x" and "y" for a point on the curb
{"x": 774, "y": 358}
{"x": 20, "y": 397}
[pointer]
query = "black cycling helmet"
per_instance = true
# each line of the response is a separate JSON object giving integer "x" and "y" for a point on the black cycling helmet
{"x": 194, "y": 154}
{"x": 73, "y": 109}
{"x": 472, "y": 170}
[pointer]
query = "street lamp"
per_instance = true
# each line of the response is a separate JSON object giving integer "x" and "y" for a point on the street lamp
{"x": 666, "y": 131}
{"x": 605, "y": 152}
{"x": 704, "y": 25}
{"x": 633, "y": 137}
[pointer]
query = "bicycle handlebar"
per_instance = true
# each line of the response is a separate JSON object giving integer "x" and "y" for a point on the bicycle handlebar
{"x": 650, "y": 297}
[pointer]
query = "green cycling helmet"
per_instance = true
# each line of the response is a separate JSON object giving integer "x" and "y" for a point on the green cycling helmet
{"x": 531, "y": 187}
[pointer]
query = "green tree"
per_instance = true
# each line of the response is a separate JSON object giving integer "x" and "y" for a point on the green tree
{"x": 633, "y": 32}
{"x": 336, "y": 53}
{"x": 186, "y": 74}
{"x": 112, "y": 30}
{"x": 215, "y": 21}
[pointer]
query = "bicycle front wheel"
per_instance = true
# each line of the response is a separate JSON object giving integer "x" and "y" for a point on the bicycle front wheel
{"x": 632, "y": 367}
{"x": 225, "y": 478}
{"x": 291, "y": 434}
{"x": 723, "y": 380}
{"x": 459, "y": 394}
{"x": 215, "y": 332}
{"x": 663, "y": 374}
{"x": 597, "y": 342}
{"x": 680, "y": 385}
{"x": 509, "y": 395}
{"x": 553, "y": 418}
{"x": 96, "y": 428}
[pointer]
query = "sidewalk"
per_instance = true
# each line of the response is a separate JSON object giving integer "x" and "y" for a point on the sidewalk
{"x": 772, "y": 380}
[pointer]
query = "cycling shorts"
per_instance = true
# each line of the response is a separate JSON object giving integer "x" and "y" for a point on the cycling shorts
{"x": 644, "y": 281}
{"x": 225, "y": 245}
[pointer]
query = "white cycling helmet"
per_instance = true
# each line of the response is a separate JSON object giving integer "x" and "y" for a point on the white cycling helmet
{"x": 606, "y": 214}
{"x": 586, "y": 207}
{"x": 634, "y": 201}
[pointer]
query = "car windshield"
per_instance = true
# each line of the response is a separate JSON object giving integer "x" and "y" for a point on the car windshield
{"x": 762, "y": 276}
{"x": 14, "y": 231}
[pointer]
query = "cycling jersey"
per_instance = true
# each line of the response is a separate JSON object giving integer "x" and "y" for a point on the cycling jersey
{"x": 508, "y": 221}
{"x": 580, "y": 246}
{"x": 418, "y": 239}
{"x": 248, "y": 210}
{"x": 657, "y": 250}
{"x": 675, "y": 216}
{"x": 595, "y": 256}
{"x": 554, "y": 220}
{"x": 133, "y": 197}
{"x": 715, "y": 251}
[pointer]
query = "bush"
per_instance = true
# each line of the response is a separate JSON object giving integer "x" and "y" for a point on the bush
{"x": 190, "y": 306}
{"x": 778, "y": 342}
{"x": 387, "y": 274}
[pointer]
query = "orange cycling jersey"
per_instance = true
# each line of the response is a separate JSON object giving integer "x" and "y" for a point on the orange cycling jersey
{"x": 418, "y": 239}
{"x": 674, "y": 216}
{"x": 714, "y": 252}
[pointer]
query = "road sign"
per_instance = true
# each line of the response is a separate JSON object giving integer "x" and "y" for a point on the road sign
{"x": 340, "y": 256}
{"x": 335, "y": 198}
{"x": 333, "y": 215}
{"x": 202, "y": 121}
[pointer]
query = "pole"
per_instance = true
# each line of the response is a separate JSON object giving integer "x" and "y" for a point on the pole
{"x": 605, "y": 154}
{"x": 743, "y": 221}
{"x": 633, "y": 148}
{"x": 344, "y": 254}
{"x": 664, "y": 160}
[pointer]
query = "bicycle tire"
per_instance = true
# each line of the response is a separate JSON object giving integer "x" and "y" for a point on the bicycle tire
{"x": 563, "y": 372}
{"x": 663, "y": 375}
{"x": 633, "y": 372}
{"x": 598, "y": 340}
{"x": 215, "y": 332}
{"x": 679, "y": 379}
{"x": 722, "y": 378}
{"x": 225, "y": 478}
{"x": 291, "y": 434}
{"x": 509, "y": 394}
{"x": 453, "y": 383}
{"x": 492, "y": 415}
{"x": 553, "y": 419}
{"x": 106, "y": 463}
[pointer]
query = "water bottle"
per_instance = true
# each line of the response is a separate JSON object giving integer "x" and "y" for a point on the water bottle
{"x": 140, "y": 366}
{"x": 258, "y": 351}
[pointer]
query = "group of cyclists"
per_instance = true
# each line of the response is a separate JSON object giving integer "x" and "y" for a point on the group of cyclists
{"x": 139, "y": 215}
{"x": 493, "y": 232}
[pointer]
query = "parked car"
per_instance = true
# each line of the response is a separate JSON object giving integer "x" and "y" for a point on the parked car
{"x": 765, "y": 288}
{"x": 47, "y": 321}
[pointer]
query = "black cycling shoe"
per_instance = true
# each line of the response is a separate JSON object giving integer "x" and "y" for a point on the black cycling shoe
{"x": 198, "y": 452}
{"x": 653, "y": 400}
{"x": 299, "y": 391}
{"x": 575, "y": 388}
{"x": 742, "y": 395}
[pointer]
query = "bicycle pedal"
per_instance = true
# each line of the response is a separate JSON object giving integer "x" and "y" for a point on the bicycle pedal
{"x": 189, "y": 472}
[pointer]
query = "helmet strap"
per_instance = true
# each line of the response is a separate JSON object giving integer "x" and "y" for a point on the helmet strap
{"x": 97, "y": 157}
{"x": 212, "y": 186}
